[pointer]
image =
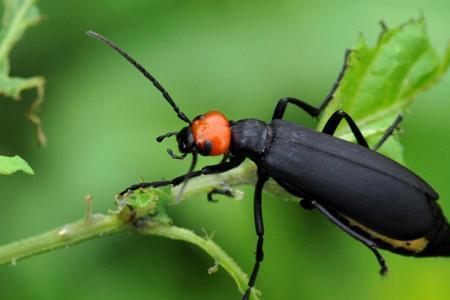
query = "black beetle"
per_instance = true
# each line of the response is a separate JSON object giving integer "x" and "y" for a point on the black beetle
{"x": 369, "y": 196}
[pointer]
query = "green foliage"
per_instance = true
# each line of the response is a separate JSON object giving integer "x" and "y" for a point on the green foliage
{"x": 18, "y": 16}
{"x": 381, "y": 81}
{"x": 9, "y": 165}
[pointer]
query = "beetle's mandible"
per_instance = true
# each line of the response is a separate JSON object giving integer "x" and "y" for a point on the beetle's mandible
{"x": 369, "y": 196}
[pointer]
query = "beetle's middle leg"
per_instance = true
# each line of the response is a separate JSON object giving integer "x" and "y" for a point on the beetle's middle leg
{"x": 313, "y": 111}
{"x": 336, "y": 118}
{"x": 334, "y": 121}
{"x": 259, "y": 226}
{"x": 369, "y": 243}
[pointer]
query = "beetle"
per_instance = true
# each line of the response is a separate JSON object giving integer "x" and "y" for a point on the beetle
{"x": 372, "y": 198}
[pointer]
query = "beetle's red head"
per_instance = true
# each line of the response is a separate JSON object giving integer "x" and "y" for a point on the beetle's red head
{"x": 208, "y": 134}
{"x": 212, "y": 133}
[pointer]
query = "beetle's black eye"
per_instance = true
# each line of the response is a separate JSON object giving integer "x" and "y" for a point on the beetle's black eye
{"x": 206, "y": 148}
{"x": 185, "y": 140}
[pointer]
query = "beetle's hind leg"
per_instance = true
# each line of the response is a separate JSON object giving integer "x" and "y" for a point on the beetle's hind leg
{"x": 369, "y": 243}
{"x": 313, "y": 111}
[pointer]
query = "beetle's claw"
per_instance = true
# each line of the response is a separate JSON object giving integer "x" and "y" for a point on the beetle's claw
{"x": 225, "y": 192}
{"x": 210, "y": 197}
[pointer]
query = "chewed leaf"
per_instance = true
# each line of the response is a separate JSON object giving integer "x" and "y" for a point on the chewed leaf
{"x": 381, "y": 81}
{"x": 10, "y": 165}
{"x": 17, "y": 17}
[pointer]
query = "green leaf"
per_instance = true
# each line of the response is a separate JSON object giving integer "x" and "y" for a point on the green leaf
{"x": 9, "y": 165}
{"x": 381, "y": 81}
{"x": 18, "y": 16}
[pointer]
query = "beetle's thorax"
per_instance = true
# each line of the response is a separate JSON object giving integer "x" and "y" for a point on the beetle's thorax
{"x": 249, "y": 138}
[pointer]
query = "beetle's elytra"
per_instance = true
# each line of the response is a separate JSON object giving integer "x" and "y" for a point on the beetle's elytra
{"x": 369, "y": 196}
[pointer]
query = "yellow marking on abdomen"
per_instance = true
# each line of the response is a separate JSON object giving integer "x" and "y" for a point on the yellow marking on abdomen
{"x": 417, "y": 245}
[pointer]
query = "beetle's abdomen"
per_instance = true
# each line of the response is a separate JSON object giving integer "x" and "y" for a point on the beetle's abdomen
{"x": 352, "y": 180}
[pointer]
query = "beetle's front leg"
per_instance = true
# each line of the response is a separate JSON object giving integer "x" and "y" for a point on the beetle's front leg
{"x": 214, "y": 169}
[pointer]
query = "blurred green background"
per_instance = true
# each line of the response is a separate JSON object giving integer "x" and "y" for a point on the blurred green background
{"x": 101, "y": 118}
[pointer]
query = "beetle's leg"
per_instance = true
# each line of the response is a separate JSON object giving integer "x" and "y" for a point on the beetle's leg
{"x": 313, "y": 111}
{"x": 216, "y": 191}
{"x": 214, "y": 169}
{"x": 226, "y": 192}
{"x": 334, "y": 121}
{"x": 259, "y": 226}
{"x": 336, "y": 84}
{"x": 388, "y": 133}
{"x": 370, "y": 244}
{"x": 280, "y": 109}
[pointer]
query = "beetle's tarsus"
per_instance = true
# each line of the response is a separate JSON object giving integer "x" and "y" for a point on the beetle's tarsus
{"x": 390, "y": 131}
{"x": 384, "y": 270}
{"x": 216, "y": 191}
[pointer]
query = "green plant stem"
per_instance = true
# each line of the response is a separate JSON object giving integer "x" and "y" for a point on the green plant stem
{"x": 98, "y": 225}
{"x": 205, "y": 243}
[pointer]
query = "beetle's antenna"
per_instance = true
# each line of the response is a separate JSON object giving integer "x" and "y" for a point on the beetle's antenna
{"x": 188, "y": 176}
{"x": 138, "y": 66}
